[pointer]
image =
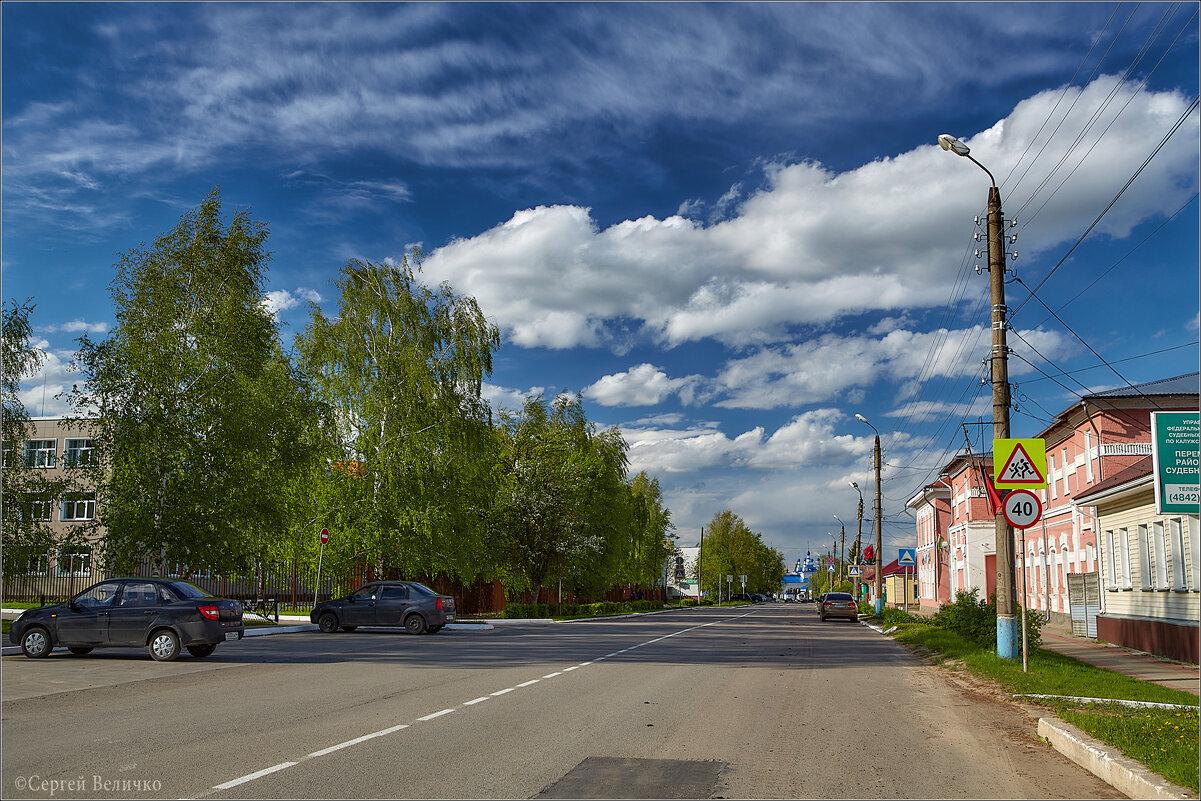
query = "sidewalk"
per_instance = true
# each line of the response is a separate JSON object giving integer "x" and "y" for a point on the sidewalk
{"x": 1177, "y": 675}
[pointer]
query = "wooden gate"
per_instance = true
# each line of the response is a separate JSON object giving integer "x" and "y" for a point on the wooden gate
{"x": 1084, "y": 599}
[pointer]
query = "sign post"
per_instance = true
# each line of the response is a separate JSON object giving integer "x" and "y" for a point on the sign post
{"x": 320, "y": 557}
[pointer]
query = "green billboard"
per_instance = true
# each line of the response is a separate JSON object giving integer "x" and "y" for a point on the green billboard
{"x": 1176, "y": 453}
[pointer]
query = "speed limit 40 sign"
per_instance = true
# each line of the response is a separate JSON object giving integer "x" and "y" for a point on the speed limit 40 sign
{"x": 1022, "y": 508}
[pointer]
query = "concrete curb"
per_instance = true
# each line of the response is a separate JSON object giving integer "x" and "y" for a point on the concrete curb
{"x": 1108, "y": 764}
{"x": 1104, "y": 761}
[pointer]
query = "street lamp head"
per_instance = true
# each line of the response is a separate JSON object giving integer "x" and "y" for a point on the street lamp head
{"x": 860, "y": 417}
{"x": 948, "y": 142}
{"x": 855, "y": 484}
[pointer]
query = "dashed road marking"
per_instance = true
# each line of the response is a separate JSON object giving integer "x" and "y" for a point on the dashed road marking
{"x": 258, "y": 774}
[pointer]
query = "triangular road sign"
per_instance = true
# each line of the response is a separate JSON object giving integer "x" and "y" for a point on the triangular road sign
{"x": 1020, "y": 467}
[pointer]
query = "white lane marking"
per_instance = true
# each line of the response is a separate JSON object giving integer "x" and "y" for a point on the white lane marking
{"x": 249, "y": 777}
{"x": 436, "y": 714}
{"x": 356, "y": 741}
{"x": 258, "y": 774}
{"x": 528, "y": 683}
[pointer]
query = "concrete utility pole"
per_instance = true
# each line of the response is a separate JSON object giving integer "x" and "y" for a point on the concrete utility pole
{"x": 879, "y": 523}
{"x": 858, "y": 539}
{"x": 1007, "y": 629}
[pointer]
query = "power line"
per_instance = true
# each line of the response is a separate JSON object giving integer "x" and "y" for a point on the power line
{"x": 1188, "y": 112}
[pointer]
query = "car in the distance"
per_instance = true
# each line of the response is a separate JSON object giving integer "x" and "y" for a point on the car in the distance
{"x": 386, "y": 603}
{"x": 163, "y": 615}
{"x": 838, "y": 604}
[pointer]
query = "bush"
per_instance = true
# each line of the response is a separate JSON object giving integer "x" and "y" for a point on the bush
{"x": 977, "y": 620}
{"x": 890, "y": 617}
{"x": 601, "y": 608}
{"x": 970, "y": 617}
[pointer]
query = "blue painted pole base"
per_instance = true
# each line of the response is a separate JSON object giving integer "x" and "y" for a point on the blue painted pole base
{"x": 879, "y": 605}
{"x": 1007, "y": 637}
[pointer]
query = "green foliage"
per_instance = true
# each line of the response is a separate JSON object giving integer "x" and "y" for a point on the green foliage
{"x": 1165, "y": 740}
{"x": 971, "y": 618}
{"x": 21, "y": 535}
{"x": 410, "y": 468}
{"x": 730, "y": 548}
{"x": 561, "y": 493}
{"x": 200, "y": 420}
{"x": 522, "y": 611}
{"x": 891, "y": 616}
{"x": 977, "y": 620}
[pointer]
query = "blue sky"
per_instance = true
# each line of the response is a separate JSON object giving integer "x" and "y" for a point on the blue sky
{"x": 728, "y": 225}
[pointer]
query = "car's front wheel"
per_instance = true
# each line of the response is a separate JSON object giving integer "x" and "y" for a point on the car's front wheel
{"x": 201, "y": 651}
{"x": 415, "y": 624}
{"x": 328, "y": 623}
{"x": 164, "y": 646}
{"x": 35, "y": 643}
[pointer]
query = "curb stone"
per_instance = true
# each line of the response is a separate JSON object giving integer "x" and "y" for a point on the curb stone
{"x": 1104, "y": 761}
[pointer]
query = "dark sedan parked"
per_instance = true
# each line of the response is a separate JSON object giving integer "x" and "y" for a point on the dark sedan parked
{"x": 387, "y": 603}
{"x": 162, "y": 615}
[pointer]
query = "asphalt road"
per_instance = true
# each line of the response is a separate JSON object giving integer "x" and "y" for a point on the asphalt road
{"x": 752, "y": 702}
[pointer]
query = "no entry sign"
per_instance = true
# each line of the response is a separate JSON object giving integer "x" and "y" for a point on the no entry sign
{"x": 324, "y": 536}
{"x": 1022, "y": 508}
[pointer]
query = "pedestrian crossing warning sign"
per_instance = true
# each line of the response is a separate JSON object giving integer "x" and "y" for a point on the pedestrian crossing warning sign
{"x": 1020, "y": 463}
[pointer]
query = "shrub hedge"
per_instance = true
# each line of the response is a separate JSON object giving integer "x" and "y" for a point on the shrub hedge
{"x": 599, "y": 609}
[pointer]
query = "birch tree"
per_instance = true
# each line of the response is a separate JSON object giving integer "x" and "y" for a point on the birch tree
{"x": 196, "y": 407}
{"x": 402, "y": 366}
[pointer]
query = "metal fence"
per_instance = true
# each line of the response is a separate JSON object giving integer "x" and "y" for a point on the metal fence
{"x": 293, "y": 586}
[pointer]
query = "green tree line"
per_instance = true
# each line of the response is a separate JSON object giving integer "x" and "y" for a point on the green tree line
{"x": 221, "y": 449}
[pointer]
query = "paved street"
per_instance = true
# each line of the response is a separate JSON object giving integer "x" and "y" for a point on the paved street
{"x": 753, "y": 702}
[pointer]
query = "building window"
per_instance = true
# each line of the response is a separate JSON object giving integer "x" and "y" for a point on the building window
{"x": 1144, "y": 557}
{"x": 79, "y": 452}
{"x": 1178, "y": 563}
{"x": 78, "y": 506}
{"x": 1111, "y": 564}
{"x": 74, "y": 560}
{"x": 1194, "y": 541}
{"x": 1125, "y": 554}
{"x": 37, "y": 565}
{"x": 41, "y": 452}
{"x": 38, "y": 508}
{"x": 1159, "y": 541}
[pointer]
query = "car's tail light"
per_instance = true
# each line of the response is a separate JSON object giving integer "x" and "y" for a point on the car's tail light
{"x": 438, "y": 603}
{"x": 210, "y": 611}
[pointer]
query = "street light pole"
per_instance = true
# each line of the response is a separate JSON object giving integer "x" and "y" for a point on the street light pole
{"x": 858, "y": 537}
{"x": 843, "y": 549}
{"x": 1007, "y": 634}
{"x": 879, "y": 523}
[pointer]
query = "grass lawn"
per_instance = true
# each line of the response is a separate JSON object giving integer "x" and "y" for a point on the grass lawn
{"x": 1165, "y": 740}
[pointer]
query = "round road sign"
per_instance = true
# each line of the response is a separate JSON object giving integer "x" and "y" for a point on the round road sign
{"x": 1022, "y": 508}
{"x": 324, "y": 536}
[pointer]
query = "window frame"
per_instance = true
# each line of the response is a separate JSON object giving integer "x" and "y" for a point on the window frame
{"x": 68, "y": 552}
{"x": 32, "y": 454}
{"x": 88, "y": 499}
{"x": 74, "y": 455}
